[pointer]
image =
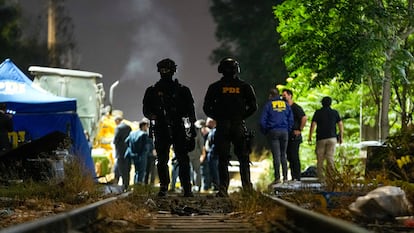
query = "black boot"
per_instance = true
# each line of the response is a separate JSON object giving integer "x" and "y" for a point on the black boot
{"x": 163, "y": 192}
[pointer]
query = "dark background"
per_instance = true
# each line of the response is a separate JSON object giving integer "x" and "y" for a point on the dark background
{"x": 123, "y": 40}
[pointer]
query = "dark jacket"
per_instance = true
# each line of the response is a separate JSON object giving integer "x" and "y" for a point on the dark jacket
{"x": 121, "y": 133}
{"x": 168, "y": 101}
{"x": 276, "y": 115}
{"x": 230, "y": 99}
{"x": 138, "y": 144}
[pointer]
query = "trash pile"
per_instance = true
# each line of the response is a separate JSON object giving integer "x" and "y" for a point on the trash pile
{"x": 382, "y": 204}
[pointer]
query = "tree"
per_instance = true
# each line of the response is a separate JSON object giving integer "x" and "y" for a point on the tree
{"x": 22, "y": 50}
{"x": 28, "y": 47}
{"x": 246, "y": 31}
{"x": 349, "y": 40}
{"x": 9, "y": 27}
{"x": 61, "y": 42}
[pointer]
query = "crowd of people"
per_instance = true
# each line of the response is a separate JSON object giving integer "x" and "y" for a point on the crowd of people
{"x": 199, "y": 150}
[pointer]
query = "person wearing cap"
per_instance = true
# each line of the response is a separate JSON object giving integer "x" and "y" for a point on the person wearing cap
{"x": 122, "y": 165}
{"x": 326, "y": 120}
{"x": 169, "y": 106}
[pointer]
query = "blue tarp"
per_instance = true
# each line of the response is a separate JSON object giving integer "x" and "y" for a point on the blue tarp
{"x": 39, "y": 113}
{"x": 17, "y": 91}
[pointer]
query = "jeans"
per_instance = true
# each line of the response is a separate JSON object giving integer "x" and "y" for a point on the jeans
{"x": 140, "y": 164}
{"x": 278, "y": 143}
{"x": 174, "y": 175}
{"x": 205, "y": 175}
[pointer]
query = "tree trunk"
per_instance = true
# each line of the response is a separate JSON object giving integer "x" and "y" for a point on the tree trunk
{"x": 385, "y": 105}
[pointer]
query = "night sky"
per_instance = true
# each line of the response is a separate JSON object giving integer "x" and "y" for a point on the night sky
{"x": 123, "y": 40}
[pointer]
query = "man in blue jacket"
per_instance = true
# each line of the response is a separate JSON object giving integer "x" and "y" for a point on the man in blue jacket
{"x": 276, "y": 122}
{"x": 138, "y": 143}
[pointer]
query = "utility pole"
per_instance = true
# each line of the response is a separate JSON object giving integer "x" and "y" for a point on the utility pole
{"x": 51, "y": 33}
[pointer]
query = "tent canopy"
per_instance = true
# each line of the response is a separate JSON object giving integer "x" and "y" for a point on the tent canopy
{"x": 38, "y": 113}
{"x": 17, "y": 90}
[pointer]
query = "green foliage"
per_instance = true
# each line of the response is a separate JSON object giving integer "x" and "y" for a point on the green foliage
{"x": 253, "y": 42}
{"x": 10, "y": 30}
{"x": 351, "y": 41}
{"x": 22, "y": 50}
{"x": 23, "y": 41}
{"x": 345, "y": 100}
{"x": 400, "y": 155}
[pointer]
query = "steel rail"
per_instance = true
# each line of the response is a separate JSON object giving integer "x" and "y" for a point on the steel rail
{"x": 64, "y": 222}
{"x": 314, "y": 222}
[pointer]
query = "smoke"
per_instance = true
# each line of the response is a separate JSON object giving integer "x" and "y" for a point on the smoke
{"x": 154, "y": 38}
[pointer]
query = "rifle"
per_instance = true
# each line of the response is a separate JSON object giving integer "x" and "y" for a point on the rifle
{"x": 249, "y": 136}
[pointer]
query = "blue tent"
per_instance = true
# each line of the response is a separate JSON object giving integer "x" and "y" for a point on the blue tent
{"x": 38, "y": 112}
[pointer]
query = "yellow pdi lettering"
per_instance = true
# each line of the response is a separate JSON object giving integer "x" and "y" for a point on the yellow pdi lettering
{"x": 278, "y": 105}
{"x": 16, "y": 137}
{"x": 231, "y": 90}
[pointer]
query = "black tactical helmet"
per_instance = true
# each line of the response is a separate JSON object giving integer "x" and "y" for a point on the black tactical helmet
{"x": 166, "y": 66}
{"x": 228, "y": 65}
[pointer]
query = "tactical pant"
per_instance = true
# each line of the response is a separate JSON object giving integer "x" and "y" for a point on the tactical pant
{"x": 164, "y": 139}
{"x": 227, "y": 133}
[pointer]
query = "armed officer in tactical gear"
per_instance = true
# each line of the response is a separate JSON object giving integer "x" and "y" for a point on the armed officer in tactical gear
{"x": 170, "y": 108}
{"x": 230, "y": 101}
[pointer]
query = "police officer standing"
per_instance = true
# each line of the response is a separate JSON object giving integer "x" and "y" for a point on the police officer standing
{"x": 170, "y": 108}
{"x": 230, "y": 101}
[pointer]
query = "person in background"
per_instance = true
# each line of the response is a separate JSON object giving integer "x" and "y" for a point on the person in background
{"x": 174, "y": 172}
{"x": 122, "y": 165}
{"x": 169, "y": 106}
{"x": 212, "y": 157}
{"x": 230, "y": 101}
{"x": 295, "y": 135}
{"x": 276, "y": 122}
{"x": 204, "y": 165}
{"x": 196, "y": 154}
{"x": 326, "y": 120}
{"x": 6, "y": 126}
{"x": 88, "y": 138}
{"x": 150, "y": 172}
{"x": 138, "y": 150}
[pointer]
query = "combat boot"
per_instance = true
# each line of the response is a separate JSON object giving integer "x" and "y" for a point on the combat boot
{"x": 162, "y": 192}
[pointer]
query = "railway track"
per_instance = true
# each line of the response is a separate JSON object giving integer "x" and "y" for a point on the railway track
{"x": 202, "y": 213}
